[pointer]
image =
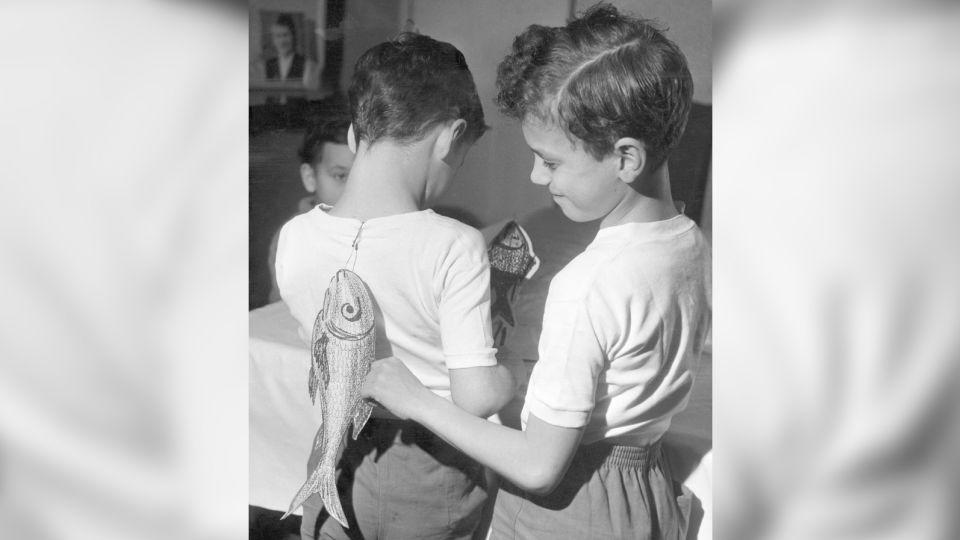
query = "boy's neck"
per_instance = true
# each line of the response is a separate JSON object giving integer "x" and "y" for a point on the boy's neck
{"x": 386, "y": 179}
{"x": 653, "y": 201}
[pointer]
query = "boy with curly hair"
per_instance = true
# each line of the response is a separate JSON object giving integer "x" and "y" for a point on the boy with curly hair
{"x": 602, "y": 101}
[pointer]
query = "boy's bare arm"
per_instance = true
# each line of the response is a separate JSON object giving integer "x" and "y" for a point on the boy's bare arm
{"x": 481, "y": 391}
{"x": 534, "y": 460}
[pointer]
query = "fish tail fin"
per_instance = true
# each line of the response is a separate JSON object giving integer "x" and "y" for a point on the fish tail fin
{"x": 360, "y": 416}
{"x": 309, "y": 488}
{"x": 331, "y": 499}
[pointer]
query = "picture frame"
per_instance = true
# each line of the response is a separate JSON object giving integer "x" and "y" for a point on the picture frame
{"x": 307, "y": 18}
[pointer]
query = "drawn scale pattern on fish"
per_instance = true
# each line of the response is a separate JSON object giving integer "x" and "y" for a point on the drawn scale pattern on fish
{"x": 343, "y": 347}
{"x": 511, "y": 261}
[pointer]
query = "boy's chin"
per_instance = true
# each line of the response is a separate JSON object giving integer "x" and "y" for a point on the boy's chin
{"x": 573, "y": 214}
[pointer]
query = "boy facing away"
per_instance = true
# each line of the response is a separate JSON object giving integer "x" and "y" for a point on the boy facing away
{"x": 601, "y": 101}
{"x": 415, "y": 115}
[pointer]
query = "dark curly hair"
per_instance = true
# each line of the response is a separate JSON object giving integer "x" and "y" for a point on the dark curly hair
{"x": 404, "y": 87}
{"x": 332, "y": 128}
{"x": 604, "y": 76}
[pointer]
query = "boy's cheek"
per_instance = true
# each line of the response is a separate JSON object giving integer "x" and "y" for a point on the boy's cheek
{"x": 329, "y": 189}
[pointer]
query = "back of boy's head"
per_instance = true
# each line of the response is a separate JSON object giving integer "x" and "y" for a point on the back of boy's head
{"x": 332, "y": 128}
{"x": 604, "y": 76}
{"x": 403, "y": 88}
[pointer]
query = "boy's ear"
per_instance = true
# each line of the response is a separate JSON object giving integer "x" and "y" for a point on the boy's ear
{"x": 633, "y": 158}
{"x": 351, "y": 139}
{"x": 449, "y": 136}
{"x": 308, "y": 177}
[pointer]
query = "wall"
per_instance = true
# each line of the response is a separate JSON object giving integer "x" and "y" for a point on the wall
{"x": 366, "y": 23}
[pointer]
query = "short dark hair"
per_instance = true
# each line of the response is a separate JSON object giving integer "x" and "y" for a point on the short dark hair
{"x": 331, "y": 128}
{"x": 404, "y": 87}
{"x": 604, "y": 76}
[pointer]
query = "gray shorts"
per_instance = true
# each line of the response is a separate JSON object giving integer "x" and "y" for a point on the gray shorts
{"x": 398, "y": 481}
{"x": 608, "y": 492}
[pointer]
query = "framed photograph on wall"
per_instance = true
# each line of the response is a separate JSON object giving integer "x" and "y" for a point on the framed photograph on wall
{"x": 302, "y": 33}
{"x": 287, "y": 54}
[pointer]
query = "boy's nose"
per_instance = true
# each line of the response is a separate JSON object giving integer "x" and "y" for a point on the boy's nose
{"x": 539, "y": 177}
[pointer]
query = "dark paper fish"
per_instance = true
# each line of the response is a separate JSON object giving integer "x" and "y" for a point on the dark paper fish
{"x": 511, "y": 261}
{"x": 343, "y": 348}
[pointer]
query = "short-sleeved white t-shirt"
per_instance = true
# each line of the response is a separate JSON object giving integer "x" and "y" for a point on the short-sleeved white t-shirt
{"x": 429, "y": 276}
{"x": 623, "y": 326}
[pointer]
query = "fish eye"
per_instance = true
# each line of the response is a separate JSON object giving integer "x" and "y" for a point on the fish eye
{"x": 350, "y": 313}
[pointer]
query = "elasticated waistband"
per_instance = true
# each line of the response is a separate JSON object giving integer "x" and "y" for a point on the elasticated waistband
{"x": 632, "y": 456}
{"x": 621, "y": 457}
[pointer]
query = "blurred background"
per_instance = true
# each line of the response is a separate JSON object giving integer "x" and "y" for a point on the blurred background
{"x": 837, "y": 270}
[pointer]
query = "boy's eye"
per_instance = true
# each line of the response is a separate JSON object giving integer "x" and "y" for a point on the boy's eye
{"x": 549, "y": 165}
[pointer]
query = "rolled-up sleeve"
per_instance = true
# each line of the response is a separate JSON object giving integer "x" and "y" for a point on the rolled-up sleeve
{"x": 464, "y": 307}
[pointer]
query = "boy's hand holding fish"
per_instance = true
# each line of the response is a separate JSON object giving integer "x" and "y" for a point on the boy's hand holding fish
{"x": 534, "y": 459}
{"x": 391, "y": 384}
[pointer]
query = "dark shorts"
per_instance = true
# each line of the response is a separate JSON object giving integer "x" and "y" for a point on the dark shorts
{"x": 397, "y": 481}
{"x": 608, "y": 492}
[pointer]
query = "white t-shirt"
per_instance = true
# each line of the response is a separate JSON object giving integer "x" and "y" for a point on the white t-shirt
{"x": 429, "y": 276}
{"x": 624, "y": 324}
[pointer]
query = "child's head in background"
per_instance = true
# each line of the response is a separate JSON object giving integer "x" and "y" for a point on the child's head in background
{"x": 404, "y": 89}
{"x": 325, "y": 158}
{"x": 602, "y": 102}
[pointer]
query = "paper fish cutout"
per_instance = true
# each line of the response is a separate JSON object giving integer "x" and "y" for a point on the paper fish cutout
{"x": 343, "y": 347}
{"x": 511, "y": 261}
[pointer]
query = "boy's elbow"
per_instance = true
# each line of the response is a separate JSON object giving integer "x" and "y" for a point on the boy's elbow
{"x": 540, "y": 479}
{"x": 486, "y": 396}
{"x": 491, "y": 404}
